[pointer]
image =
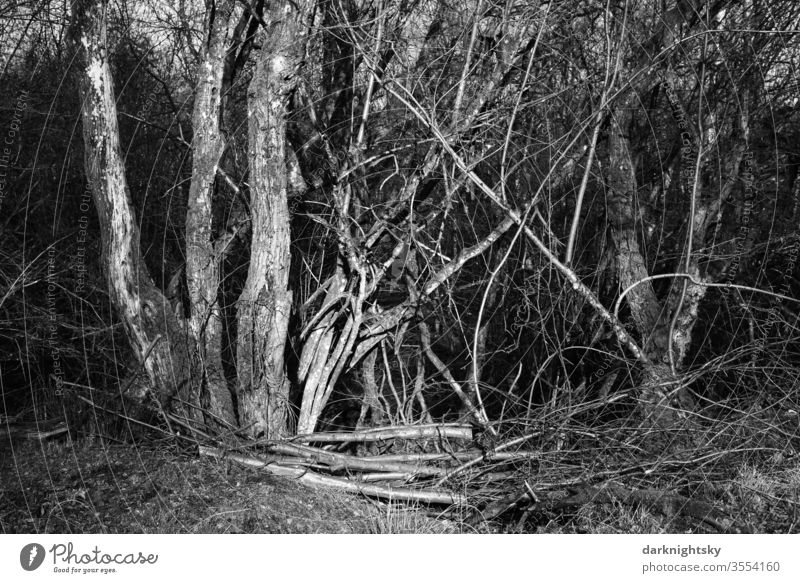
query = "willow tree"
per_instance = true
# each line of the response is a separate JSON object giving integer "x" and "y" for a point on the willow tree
{"x": 424, "y": 144}
{"x": 155, "y": 332}
{"x": 675, "y": 155}
{"x": 183, "y": 358}
{"x": 266, "y": 301}
{"x": 222, "y": 25}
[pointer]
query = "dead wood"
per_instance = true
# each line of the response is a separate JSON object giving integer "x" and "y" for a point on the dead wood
{"x": 456, "y": 456}
{"x": 339, "y": 461}
{"x": 316, "y": 480}
{"x": 435, "y": 431}
{"x": 654, "y": 500}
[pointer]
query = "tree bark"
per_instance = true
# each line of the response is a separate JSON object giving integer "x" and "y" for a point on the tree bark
{"x": 156, "y": 336}
{"x": 202, "y": 259}
{"x": 631, "y": 268}
{"x": 316, "y": 361}
{"x": 265, "y": 302}
{"x": 649, "y": 314}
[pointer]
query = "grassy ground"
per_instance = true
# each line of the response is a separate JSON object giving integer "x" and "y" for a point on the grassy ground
{"x": 747, "y": 471}
{"x": 91, "y": 488}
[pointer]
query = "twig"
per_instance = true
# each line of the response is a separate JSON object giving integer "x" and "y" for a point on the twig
{"x": 456, "y": 456}
{"x": 655, "y": 500}
{"x": 120, "y": 415}
{"x": 486, "y": 456}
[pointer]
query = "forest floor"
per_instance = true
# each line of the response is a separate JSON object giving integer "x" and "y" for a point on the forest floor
{"x": 749, "y": 480}
{"x": 87, "y": 487}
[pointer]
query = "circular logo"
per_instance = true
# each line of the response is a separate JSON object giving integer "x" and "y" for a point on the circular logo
{"x": 31, "y": 556}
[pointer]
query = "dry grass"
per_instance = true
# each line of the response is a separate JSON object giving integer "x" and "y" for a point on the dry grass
{"x": 91, "y": 488}
{"x": 744, "y": 466}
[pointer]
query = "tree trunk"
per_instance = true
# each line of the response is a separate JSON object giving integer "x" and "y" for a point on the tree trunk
{"x": 202, "y": 259}
{"x": 647, "y": 311}
{"x": 631, "y": 268}
{"x": 157, "y": 337}
{"x": 316, "y": 361}
{"x": 665, "y": 326}
{"x": 265, "y": 302}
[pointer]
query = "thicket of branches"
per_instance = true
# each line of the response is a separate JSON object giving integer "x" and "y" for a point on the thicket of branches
{"x": 560, "y": 220}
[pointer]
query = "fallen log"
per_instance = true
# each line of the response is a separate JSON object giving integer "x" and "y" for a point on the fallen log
{"x": 340, "y": 461}
{"x": 314, "y": 479}
{"x": 437, "y": 431}
{"x": 385, "y": 477}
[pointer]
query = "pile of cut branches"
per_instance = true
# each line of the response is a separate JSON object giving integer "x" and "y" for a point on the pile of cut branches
{"x": 432, "y": 455}
{"x": 526, "y": 475}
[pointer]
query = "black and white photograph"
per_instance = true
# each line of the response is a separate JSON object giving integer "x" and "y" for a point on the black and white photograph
{"x": 419, "y": 267}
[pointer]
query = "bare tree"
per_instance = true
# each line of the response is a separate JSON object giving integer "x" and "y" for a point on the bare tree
{"x": 446, "y": 168}
{"x": 203, "y": 252}
{"x": 266, "y": 301}
{"x": 155, "y": 333}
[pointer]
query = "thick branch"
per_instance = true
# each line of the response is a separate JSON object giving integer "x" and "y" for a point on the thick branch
{"x": 315, "y": 480}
